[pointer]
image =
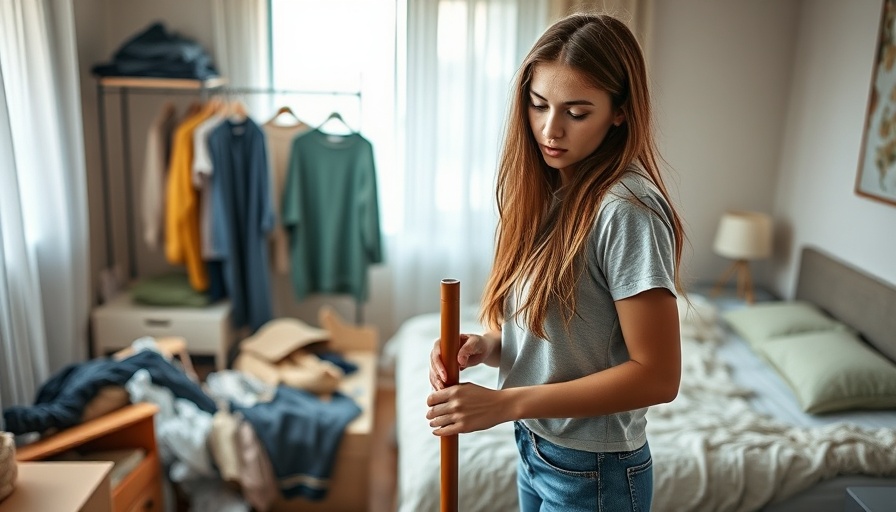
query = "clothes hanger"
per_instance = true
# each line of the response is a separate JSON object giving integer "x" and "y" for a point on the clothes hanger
{"x": 285, "y": 110}
{"x": 337, "y": 117}
{"x": 215, "y": 104}
{"x": 169, "y": 110}
{"x": 230, "y": 106}
{"x": 238, "y": 111}
{"x": 194, "y": 108}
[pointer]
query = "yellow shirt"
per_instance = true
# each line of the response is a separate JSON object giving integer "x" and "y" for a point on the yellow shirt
{"x": 183, "y": 245}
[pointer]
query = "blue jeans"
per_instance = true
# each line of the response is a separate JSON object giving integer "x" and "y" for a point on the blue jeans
{"x": 551, "y": 478}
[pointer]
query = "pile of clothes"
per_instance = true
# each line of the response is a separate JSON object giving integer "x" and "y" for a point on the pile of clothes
{"x": 270, "y": 427}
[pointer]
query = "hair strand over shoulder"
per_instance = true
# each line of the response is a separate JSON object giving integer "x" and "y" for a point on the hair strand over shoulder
{"x": 538, "y": 242}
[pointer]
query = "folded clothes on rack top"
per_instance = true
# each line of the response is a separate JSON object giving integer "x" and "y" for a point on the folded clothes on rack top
{"x": 156, "y": 52}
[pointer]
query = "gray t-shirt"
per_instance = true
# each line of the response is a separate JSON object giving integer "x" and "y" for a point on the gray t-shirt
{"x": 630, "y": 250}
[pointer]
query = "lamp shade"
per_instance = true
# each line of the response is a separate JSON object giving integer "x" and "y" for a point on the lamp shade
{"x": 744, "y": 236}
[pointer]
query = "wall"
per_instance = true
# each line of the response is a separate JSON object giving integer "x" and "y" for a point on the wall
{"x": 90, "y": 25}
{"x": 815, "y": 202}
{"x": 760, "y": 106}
{"x": 720, "y": 72}
{"x": 102, "y": 26}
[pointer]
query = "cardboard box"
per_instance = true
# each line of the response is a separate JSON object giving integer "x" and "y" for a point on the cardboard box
{"x": 61, "y": 487}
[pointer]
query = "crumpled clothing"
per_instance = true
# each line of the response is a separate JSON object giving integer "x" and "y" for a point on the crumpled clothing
{"x": 239, "y": 388}
{"x": 61, "y": 400}
{"x": 212, "y": 495}
{"x": 181, "y": 430}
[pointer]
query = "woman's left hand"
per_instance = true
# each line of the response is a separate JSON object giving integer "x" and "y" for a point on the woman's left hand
{"x": 464, "y": 408}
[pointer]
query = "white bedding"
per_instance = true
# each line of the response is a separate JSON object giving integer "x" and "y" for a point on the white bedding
{"x": 486, "y": 459}
{"x": 711, "y": 449}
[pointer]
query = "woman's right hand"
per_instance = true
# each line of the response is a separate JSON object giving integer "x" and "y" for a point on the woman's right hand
{"x": 474, "y": 349}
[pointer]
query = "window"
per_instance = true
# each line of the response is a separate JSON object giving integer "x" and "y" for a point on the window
{"x": 335, "y": 49}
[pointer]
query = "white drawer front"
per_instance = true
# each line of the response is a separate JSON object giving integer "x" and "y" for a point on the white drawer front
{"x": 115, "y": 331}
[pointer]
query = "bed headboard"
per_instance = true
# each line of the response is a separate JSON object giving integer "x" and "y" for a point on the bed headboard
{"x": 863, "y": 302}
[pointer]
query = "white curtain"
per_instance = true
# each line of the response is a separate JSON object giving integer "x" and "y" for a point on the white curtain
{"x": 241, "y": 52}
{"x": 456, "y": 65}
{"x": 44, "y": 288}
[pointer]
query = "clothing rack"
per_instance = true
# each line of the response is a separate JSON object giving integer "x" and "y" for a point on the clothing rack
{"x": 285, "y": 92}
{"x": 125, "y": 86}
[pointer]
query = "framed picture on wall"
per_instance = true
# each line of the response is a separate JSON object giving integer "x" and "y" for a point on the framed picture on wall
{"x": 876, "y": 178}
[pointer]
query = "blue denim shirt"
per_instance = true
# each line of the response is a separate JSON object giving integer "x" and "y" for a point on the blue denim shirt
{"x": 301, "y": 434}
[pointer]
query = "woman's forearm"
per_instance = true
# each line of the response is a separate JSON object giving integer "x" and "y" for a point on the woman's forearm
{"x": 628, "y": 386}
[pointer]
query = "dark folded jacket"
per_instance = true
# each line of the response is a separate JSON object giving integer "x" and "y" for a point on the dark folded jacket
{"x": 61, "y": 400}
{"x": 156, "y": 52}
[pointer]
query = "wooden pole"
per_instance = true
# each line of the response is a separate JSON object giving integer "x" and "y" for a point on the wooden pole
{"x": 449, "y": 344}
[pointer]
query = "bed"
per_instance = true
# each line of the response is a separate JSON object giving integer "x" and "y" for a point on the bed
{"x": 737, "y": 438}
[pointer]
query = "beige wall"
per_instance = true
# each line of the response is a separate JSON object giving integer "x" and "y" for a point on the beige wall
{"x": 90, "y": 25}
{"x": 815, "y": 203}
{"x": 720, "y": 73}
{"x": 759, "y": 106}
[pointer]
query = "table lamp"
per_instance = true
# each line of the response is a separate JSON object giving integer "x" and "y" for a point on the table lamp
{"x": 742, "y": 236}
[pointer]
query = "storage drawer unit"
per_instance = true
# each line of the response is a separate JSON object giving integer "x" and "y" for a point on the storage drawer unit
{"x": 120, "y": 321}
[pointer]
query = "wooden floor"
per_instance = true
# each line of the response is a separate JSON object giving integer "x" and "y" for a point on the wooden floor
{"x": 384, "y": 456}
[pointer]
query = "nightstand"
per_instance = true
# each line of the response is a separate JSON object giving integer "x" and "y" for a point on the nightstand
{"x": 870, "y": 499}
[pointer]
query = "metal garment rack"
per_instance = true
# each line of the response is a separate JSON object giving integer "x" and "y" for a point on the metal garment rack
{"x": 125, "y": 86}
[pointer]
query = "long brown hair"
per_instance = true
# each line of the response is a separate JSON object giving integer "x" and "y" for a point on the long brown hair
{"x": 545, "y": 245}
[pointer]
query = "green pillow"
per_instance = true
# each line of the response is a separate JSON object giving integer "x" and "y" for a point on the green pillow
{"x": 833, "y": 371}
{"x": 764, "y": 321}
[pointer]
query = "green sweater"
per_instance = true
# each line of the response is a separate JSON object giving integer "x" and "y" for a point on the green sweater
{"x": 330, "y": 212}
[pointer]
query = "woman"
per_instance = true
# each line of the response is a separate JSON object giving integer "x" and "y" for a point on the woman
{"x": 582, "y": 296}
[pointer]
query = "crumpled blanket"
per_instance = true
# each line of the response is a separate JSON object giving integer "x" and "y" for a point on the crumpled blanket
{"x": 182, "y": 431}
{"x": 711, "y": 451}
